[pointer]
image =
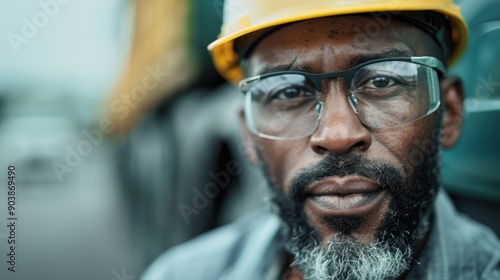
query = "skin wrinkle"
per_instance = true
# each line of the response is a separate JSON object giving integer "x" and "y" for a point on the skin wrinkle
{"x": 342, "y": 145}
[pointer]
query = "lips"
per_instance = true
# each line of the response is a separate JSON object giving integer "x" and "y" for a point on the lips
{"x": 348, "y": 195}
{"x": 344, "y": 203}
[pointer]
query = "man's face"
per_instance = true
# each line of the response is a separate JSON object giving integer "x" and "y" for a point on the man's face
{"x": 348, "y": 187}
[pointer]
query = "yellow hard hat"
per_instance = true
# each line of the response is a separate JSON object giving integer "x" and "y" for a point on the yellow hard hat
{"x": 244, "y": 17}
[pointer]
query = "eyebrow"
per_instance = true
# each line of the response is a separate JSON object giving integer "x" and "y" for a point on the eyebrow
{"x": 383, "y": 54}
{"x": 357, "y": 59}
{"x": 282, "y": 67}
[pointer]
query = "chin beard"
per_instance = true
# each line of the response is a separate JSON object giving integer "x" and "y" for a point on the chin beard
{"x": 390, "y": 253}
{"x": 348, "y": 259}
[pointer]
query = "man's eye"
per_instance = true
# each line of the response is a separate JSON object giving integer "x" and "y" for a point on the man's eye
{"x": 380, "y": 82}
{"x": 290, "y": 94}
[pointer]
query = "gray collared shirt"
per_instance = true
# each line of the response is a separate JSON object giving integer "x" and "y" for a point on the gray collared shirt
{"x": 250, "y": 248}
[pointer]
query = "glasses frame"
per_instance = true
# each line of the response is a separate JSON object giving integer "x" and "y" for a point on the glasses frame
{"x": 429, "y": 61}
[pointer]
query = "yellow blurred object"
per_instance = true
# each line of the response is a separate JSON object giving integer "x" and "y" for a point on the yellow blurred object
{"x": 160, "y": 41}
{"x": 244, "y": 17}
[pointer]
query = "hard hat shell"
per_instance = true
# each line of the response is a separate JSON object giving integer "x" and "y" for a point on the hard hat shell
{"x": 243, "y": 17}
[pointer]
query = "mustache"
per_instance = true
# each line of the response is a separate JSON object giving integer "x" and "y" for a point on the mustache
{"x": 386, "y": 175}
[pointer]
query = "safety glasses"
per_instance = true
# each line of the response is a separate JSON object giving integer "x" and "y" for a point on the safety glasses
{"x": 383, "y": 93}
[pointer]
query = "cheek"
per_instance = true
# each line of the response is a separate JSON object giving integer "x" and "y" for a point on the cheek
{"x": 410, "y": 145}
{"x": 284, "y": 159}
{"x": 405, "y": 148}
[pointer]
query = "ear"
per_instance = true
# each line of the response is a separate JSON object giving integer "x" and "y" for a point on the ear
{"x": 248, "y": 145}
{"x": 453, "y": 97}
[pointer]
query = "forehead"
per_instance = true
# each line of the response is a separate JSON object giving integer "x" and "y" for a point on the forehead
{"x": 334, "y": 43}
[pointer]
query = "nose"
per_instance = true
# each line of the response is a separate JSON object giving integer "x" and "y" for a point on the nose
{"x": 339, "y": 131}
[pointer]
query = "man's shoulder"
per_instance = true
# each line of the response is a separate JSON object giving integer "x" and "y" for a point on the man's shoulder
{"x": 481, "y": 245}
{"x": 208, "y": 255}
{"x": 468, "y": 247}
{"x": 474, "y": 236}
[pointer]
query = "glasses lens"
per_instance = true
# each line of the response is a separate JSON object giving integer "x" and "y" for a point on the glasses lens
{"x": 391, "y": 93}
{"x": 282, "y": 107}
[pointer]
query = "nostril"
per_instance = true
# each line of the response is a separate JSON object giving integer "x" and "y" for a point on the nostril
{"x": 320, "y": 150}
{"x": 359, "y": 146}
{"x": 324, "y": 148}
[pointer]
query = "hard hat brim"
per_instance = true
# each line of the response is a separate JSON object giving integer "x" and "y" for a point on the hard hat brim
{"x": 227, "y": 61}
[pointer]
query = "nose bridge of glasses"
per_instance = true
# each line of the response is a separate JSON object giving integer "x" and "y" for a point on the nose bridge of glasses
{"x": 322, "y": 80}
{"x": 338, "y": 128}
{"x": 337, "y": 104}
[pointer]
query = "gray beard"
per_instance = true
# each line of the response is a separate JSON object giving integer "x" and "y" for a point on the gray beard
{"x": 347, "y": 259}
{"x": 391, "y": 252}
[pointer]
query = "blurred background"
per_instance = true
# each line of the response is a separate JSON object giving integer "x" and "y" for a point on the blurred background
{"x": 125, "y": 140}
